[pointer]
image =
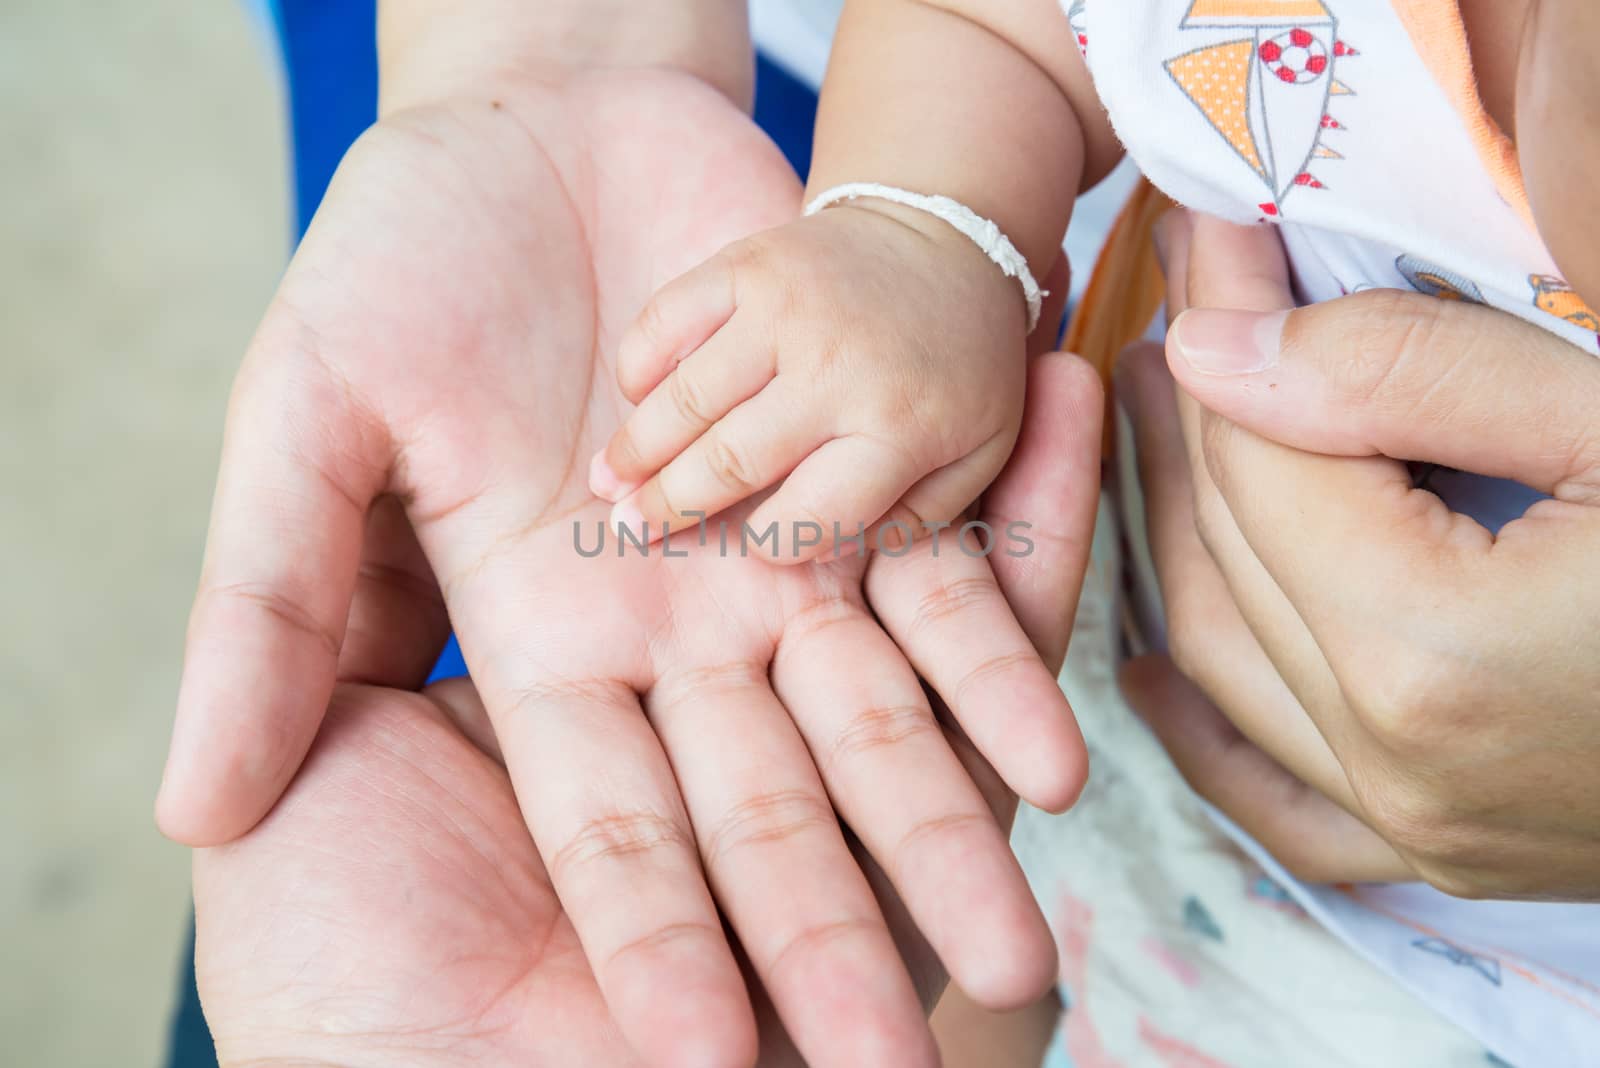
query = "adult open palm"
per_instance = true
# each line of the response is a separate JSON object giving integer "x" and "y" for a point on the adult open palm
{"x": 674, "y": 727}
{"x": 393, "y": 909}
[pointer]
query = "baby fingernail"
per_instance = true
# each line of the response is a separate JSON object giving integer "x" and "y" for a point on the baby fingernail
{"x": 1215, "y": 342}
{"x": 604, "y": 483}
{"x": 627, "y": 517}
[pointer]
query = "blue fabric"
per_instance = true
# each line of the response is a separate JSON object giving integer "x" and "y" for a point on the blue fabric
{"x": 330, "y": 59}
{"x": 329, "y": 50}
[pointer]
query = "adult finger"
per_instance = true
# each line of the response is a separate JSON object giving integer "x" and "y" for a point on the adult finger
{"x": 1051, "y": 483}
{"x": 894, "y": 779}
{"x": 1308, "y": 834}
{"x": 1407, "y": 376}
{"x": 955, "y": 627}
{"x": 1244, "y": 267}
{"x": 604, "y": 809}
{"x": 1206, "y": 631}
{"x": 783, "y": 875}
{"x": 302, "y": 461}
{"x": 966, "y": 636}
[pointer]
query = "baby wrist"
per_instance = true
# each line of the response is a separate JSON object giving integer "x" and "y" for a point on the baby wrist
{"x": 983, "y": 233}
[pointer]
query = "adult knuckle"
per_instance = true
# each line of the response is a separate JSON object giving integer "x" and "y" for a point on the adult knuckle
{"x": 709, "y": 682}
{"x": 948, "y": 599}
{"x": 1580, "y": 453}
{"x": 989, "y": 668}
{"x": 1391, "y": 329}
{"x": 616, "y": 837}
{"x": 284, "y": 609}
{"x": 813, "y": 938}
{"x": 664, "y": 937}
{"x": 882, "y": 726}
{"x": 946, "y": 826}
{"x": 1408, "y": 704}
{"x": 570, "y": 692}
{"x": 766, "y": 818}
{"x": 1408, "y": 815}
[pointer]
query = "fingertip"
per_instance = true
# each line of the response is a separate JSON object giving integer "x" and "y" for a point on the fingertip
{"x": 1015, "y": 973}
{"x": 1052, "y": 775}
{"x": 189, "y": 822}
{"x": 211, "y": 793}
{"x": 604, "y": 482}
{"x": 174, "y": 820}
{"x": 1057, "y": 789}
{"x": 1075, "y": 372}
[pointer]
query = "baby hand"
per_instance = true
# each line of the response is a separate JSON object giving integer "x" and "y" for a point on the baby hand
{"x": 869, "y": 357}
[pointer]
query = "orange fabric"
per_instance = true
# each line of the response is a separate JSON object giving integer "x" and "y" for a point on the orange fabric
{"x": 1440, "y": 38}
{"x": 1125, "y": 290}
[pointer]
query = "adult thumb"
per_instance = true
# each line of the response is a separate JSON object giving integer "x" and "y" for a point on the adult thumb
{"x": 1406, "y": 376}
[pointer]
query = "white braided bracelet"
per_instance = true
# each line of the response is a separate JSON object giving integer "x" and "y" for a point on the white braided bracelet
{"x": 982, "y": 232}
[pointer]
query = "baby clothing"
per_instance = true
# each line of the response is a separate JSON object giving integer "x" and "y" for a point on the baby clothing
{"x": 1352, "y": 124}
{"x": 1179, "y": 949}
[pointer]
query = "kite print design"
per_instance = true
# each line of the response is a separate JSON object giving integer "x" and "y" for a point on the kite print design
{"x": 1267, "y": 93}
{"x": 1437, "y": 281}
{"x": 1487, "y": 967}
{"x": 1078, "y": 19}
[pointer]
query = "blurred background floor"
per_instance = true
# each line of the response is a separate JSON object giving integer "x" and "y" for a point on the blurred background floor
{"x": 143, "y": 223}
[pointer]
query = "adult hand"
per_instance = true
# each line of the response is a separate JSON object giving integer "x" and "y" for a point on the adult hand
{"x": 676, "y": 728}
{"x": 1437, "y": 682}
{"x": 393, "y": 909}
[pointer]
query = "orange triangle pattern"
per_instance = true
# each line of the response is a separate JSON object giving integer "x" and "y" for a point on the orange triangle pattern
{"x": 1247, "y": 11}
{"x": 1217, "y": 80}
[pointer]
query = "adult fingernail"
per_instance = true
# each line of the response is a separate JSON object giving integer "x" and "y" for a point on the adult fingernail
{"x": 1216, "y": 342}
{"x": 603, "y": 481}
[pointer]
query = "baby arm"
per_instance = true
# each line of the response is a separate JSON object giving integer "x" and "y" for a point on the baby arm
{"x": 870, "y": 357}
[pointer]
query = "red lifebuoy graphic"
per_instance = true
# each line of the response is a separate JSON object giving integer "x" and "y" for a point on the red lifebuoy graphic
{"x": 1296, "y": 57}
